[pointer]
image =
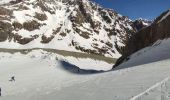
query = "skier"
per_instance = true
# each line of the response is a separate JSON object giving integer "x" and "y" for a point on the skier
{"x": 12, "y": 79}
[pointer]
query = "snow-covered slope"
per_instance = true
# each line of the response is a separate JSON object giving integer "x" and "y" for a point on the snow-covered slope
{"x": 152, "y": 56}
{"x": 40, "y": 76}
{"x": 159, "y": 91}
{"x": 73, "y": 25}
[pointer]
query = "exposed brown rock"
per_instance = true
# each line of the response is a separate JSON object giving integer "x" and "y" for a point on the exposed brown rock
{"x": 63, "y": 34}
{"x": 4, "y": 11}
{"x": 31, "y": 25}
{"x": 46, "y": 39}
{"x": 41, "y": 17}
{"x": 109, "y": 44}
{"x": 17, "y": 25}
{"x": 105, "y": 17}
{"x": 86, "y": 35}
{"x": 21, "y": 40}
{"x": 5, "y": 30}
{"x": 41, "y": 4}
{"x": 83, "y": 34}
{"x": 56, "y": 31}
{"x": 15, "y": 1}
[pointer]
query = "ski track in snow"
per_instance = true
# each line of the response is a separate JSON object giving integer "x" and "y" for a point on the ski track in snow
{"x": 148, "y": 93}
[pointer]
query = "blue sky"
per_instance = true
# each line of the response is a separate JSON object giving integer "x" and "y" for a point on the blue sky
{"x": 147, "y": 9}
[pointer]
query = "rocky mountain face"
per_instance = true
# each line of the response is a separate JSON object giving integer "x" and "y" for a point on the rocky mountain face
{"x": 158, "y": 30}
{"x": 141, "y": 23}
{"x": 73, "y": 25}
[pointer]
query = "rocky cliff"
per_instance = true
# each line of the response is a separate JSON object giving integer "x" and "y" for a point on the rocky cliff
{"x": 158, "y": 30}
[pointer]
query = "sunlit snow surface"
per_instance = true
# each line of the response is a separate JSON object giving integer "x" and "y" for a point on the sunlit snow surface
{"x": 40, "y": 76}
{"x": 4, "y": 1}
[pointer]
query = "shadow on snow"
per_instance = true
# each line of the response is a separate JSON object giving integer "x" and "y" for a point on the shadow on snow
{"x": 76, "y": 70}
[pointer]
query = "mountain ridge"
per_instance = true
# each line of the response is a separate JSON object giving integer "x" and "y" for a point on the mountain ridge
{"x": 158, "y": 31}
{"x": 74, "y": 25}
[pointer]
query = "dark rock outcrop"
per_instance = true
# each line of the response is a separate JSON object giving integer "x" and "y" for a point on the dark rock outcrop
{"x": 5, "y": 30}
{"x": 140, "y": 24}
{"x": 158, "y": 30}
